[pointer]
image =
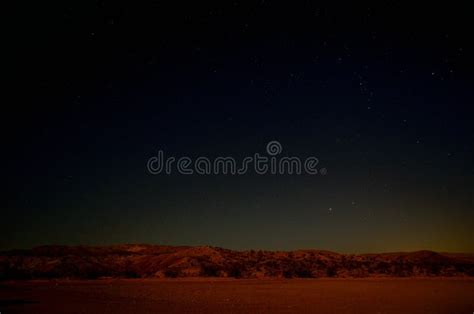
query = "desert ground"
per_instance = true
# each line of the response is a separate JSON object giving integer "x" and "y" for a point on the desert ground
{"x": 204, "y": 295}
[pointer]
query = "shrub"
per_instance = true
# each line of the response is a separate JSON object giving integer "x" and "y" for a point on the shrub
{"x": 331, "y": 272}
{"x": 210, "y": 270}
{"x": 171, "y": 273}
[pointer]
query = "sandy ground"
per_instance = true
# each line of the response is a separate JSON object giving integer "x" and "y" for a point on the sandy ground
{"x": 240, "y": 296}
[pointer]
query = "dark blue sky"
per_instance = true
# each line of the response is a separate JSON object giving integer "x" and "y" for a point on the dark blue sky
{"x": 382, "y": 95}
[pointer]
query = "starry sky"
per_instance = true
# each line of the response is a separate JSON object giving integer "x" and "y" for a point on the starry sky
{"x": 381, "y": 95}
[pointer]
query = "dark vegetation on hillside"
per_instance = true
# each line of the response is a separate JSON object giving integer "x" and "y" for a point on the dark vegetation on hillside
{"x": 152, "y": 261}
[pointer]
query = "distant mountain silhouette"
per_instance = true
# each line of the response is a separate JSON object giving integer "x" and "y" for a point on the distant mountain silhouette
{"x": 152, "y": 261}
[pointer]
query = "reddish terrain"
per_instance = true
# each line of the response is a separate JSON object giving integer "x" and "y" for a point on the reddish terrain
{"x": 227, "y": 295}
{"x": 154, "y": 261}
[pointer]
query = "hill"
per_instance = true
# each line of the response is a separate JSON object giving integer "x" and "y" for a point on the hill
{"x": 152, "y": 261}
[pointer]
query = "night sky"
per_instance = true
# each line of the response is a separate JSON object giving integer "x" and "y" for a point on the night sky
{"x": 381, "y": 95}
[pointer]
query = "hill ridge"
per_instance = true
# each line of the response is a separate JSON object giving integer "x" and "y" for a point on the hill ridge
{"x": 157, "y": 261}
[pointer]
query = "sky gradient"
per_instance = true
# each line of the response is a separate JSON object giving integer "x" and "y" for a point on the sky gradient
{"x": 382, "y": 96}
